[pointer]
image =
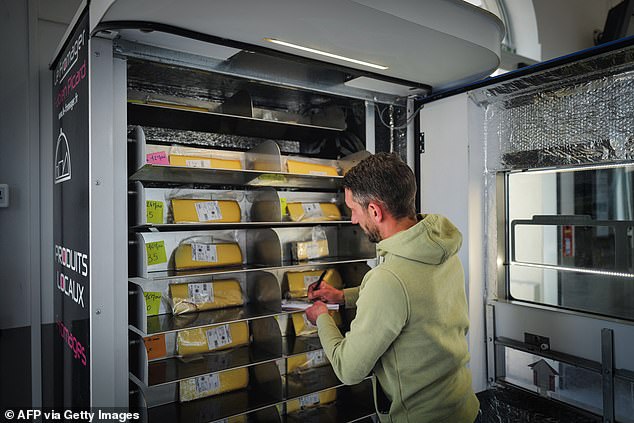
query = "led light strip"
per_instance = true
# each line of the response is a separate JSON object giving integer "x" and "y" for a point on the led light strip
{"x": 325, "y": 53}
{"x": 567, "y": 269}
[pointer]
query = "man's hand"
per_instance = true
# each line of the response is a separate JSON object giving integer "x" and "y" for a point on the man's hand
{"x": 316, "y": 310}
{"x": 325, "y": 293}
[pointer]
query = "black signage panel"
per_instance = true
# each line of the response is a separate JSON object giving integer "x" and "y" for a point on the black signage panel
{"x": 71, "y": 231}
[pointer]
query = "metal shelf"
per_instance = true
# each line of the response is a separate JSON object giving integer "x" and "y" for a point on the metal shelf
{"x": 181, "y": 274}
{"x": 300, "y": 345}
{"x": 164, "y": 323}
{"x": 309, "y": 381}
{"x": 175, "y": 369}
{"x": 224, "y": 177}
{"x": 208, "y": 226}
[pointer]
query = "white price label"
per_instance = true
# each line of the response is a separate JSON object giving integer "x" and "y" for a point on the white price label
{"x": 208, "y": 210}
{"x": 218, "y": 337}
{"x": 207, "y": 383}
{"x": 312, "y": 210}
{"x": 201, "y": 293}
{"x": 317, "y": 172}
{"x": 307, "y": 323}
{"x": 308, "y": 280}
{"x": 313, "y": 250}
{"x": 204, "y": 252}
{"x": 206, "y": 164}
{"x": 316, "y": 358}
{"x": 308, "y": 400}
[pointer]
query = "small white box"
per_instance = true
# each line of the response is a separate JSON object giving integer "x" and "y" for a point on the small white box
{"x": 4, "y": 195}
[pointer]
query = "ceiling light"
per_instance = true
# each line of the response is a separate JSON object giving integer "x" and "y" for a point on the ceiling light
{"x": 324, "y": 53}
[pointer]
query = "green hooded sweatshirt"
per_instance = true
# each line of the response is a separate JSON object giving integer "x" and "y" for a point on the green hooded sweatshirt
{"x": 410, "y": 328}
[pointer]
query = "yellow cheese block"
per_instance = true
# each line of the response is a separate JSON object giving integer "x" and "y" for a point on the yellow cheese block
{"x": 309, "y": 250}
{"x": 216, "y": 211}
{"x": 204, "y": 162}
{"x": 313, "y": 212}
{"x": 213, "y": 384}
{"x": 212, "y": 255}
{"x": 304, "y": 168}
{"x": 212, "y": 338}
{"x": 303, "y": 327}
{"x": 311, "y": 400}
{"x": 298, "y": 282}
{"x": 307, "y": 360}
{"x": 188, "y": 298}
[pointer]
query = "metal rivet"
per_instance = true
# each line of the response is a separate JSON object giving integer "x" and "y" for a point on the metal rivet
{"x": 98, "y": 311}
{"x": 98, "y": 182}
{"x": 97, "y": 54}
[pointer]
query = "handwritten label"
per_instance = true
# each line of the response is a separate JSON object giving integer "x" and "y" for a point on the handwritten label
{"x": 155, "y": 346}
{"x": 159, "y": 158}
{"x": 204, "y": 252}
{"x": 155, "y": 253}
{"x": 218, "y": 337}
{"x": 200, "y": 293}
{"x": 207, "y": 383}
{"x": 154, "y": 211}
{"x": 208, "y": 210}
{"x": 283, "y": 206}
{"x": 152, "y": 302}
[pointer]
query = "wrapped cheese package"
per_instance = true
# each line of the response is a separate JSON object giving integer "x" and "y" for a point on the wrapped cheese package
{"x": 306, "y": 168}
{"x": 298, "y": 282}
{"x": 204, "y": 162}
{"x": 311, "y": 400}
{"x": 214, "y": 384}
{"x": 199, "y": 255}
{"x": 303, "y": 327}
{"x": 313, "y": 212}
{"x": 192, "y": 297}
{"x": 309, "y": 250}
{"x": 207, "y": 211}
{"x": 212, "y": 338}
{"x": 308, "y": 360}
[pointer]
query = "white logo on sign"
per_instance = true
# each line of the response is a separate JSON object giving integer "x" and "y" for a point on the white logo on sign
{"x": 62, "y": 159}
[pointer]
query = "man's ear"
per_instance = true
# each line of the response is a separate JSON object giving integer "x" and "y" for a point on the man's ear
{"x": 376, "y": 212}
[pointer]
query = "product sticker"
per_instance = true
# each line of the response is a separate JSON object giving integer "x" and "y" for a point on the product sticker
{"x": 208, "y": 210}
{"x": 160, "y": 158}
{"x": 312, "y": 210}
{"x": 204, "y": 252}
{"x": 308, "y": 400}
{"x": 283, "y": 206}
{"x": 202, "y": 163}
{"x": 207, "y": 383}
{"x": 155, "y": 253}
{"x": 317, "y": 172}
{"x": 200, "y": 293}
{"x": 152, "y": 302}
{"x": 218, "y": 337}
{"x": 316, "y": 358}
{"x": 308, "y": 280}
{"x": 155, "y": 346}
{"x": 154, "y": 211}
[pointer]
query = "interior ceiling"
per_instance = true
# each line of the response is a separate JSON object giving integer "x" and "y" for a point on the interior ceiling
{"x": 440, "y": 43}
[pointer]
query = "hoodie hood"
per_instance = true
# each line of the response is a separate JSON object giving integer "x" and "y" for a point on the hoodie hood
{"x": 431, "y": 241}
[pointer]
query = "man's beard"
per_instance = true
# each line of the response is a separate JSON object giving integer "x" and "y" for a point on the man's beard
{"x": 373, "y": 234}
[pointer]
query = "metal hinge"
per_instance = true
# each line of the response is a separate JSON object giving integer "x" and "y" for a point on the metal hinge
{"x": 421, "y": 143}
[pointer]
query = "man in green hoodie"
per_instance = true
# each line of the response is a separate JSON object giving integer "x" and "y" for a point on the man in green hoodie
{"x": 411, "y": 309}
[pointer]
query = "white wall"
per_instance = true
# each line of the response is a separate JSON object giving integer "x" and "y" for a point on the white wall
{"x": 452, "y": 175}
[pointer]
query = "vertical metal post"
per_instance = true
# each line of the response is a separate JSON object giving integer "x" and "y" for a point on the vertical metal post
{"x": 370, "y": 141}
{"x": 490, "y": 344}
{"x": 607, "y": 374}
{"x": 411, "y": 144}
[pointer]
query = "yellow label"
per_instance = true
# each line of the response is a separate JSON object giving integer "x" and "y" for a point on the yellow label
{"x": 155, "y": 253}
{"x": 283, "y": 206}
{"x": 154, "y": 211}
{"x": 152, "y": 302}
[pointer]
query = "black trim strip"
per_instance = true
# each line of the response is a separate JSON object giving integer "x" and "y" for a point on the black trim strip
{"x": 537, "y": 67}
{"x": 152, "y": 26}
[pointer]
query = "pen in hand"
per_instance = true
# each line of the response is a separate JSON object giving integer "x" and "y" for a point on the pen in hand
{"x": 321, "y": 278}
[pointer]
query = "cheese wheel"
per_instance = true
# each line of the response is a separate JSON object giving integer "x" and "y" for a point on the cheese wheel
{"x": 307, "y": 360}
{"x": 313, "y": 212}
{"x": 212, "y": 255}
{"x": 213, "y": 384}
{"x": 305, "y": 168}
{"x": 303, "y": 327}
{"x": 211, "y": 211}
{"x": 212, "y": 338}
{"x": 311, "y": 400}
{"x": 192, "y": 297}
{"x": 298, "y": 282}
{"x": 309, "y": 250}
